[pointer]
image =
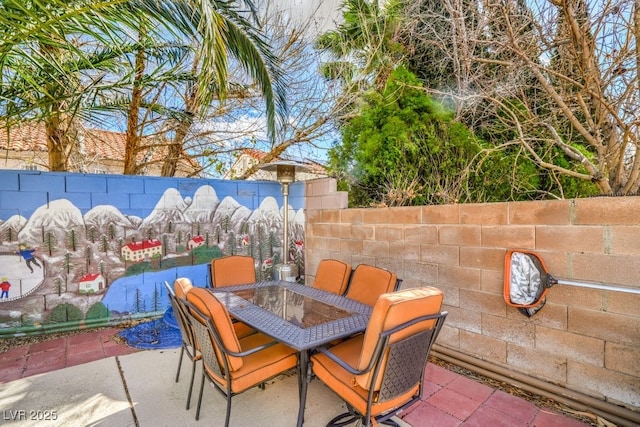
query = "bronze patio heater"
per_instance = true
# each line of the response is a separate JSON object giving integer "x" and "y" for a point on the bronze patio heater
{"x": 285, "y": 174}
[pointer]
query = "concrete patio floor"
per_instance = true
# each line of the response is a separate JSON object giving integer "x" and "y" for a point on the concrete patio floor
{"x": 91, "y": 379}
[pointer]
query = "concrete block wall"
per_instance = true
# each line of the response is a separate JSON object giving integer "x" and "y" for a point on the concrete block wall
{"x": 583, "y": 339}
{"x": 42, "y": 210}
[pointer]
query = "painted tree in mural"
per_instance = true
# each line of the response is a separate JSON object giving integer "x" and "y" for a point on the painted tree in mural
{"x": 50, "y": 241}
{"x": 88, "y": 256}
{"x": 230, "y": 246}
{"x": 65, "y": 313}
{"x": 165, "y": 244}
{"x": 111, "y": 231}
{"x": 138, "y": 302}
{"x": 97, "y": 311}
{"x": 72, "y": 239}
{"x": 10, "y": 234}
{"x": 156, "y": 300}
{"x": 59, "y": 286}
{"x": 92, "y": 234}
{"x": 218, "y": 233}
{"x": 104, "y": 243}
{"x": 68, "y": 262}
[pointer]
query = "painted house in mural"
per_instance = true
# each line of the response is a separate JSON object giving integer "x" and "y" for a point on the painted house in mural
{"x": 91, "y": 284}
{"x": 139, "y": 251}
{"x": 195, "y": 242}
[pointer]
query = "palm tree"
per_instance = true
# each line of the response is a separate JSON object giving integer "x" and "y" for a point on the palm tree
{"x": 58, "y": 59}
{"x": 366, "y": 41}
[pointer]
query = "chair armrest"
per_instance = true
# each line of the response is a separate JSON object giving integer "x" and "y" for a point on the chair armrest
{"x": 212, "y": 331}
{"x": 342, "y": 363}
{"x": 250, "y": 351}
{"x": 382, "y": 342}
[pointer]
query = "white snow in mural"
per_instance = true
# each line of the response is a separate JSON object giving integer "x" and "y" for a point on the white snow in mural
{"x": 204, "y": 203}
{"x": 15, "y": 223}
{"x": 103, "y": 215}
{"x": 58, "y": 217}
{"x": 170, "y": 208}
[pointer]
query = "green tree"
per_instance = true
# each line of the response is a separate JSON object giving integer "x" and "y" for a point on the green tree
{"x": 97, "y": 311}
{"x": 364, "y": 45}
{"x": 59, "y": 59}
{"x": 405, "y": 148}
{"x": 555, "y": 85}
{"x": 65, "y": 313}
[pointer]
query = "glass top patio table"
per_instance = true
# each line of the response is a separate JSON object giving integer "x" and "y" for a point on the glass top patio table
{"x": 297, "y": 315}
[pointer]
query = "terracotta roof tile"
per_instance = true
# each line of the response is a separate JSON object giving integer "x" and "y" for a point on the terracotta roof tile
{"x": 98, "y": 143}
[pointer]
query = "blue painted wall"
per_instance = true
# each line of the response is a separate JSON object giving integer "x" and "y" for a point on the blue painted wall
{"x": 82, "y": 230}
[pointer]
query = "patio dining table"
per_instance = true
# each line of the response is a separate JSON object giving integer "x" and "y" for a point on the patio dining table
{"x": 299, "y": 316}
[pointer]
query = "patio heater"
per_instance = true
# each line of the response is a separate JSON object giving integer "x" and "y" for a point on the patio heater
{"x": 285, "y": 175}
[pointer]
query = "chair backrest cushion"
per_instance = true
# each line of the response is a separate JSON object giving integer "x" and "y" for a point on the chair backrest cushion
{"x": 391, "y": 310}
{"x": 368, "y": 283}
{"x": 332, "y": 276}
{"x": 181, "y": 286}
{"x": 209, "y": 305}
{"x": 232, "y": 270}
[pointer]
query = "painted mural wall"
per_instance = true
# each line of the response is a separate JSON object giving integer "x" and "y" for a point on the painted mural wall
{"x": 81, "y": 249}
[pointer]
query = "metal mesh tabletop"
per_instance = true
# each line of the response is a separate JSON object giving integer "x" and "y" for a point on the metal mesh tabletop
{"x": 299, "y": 316}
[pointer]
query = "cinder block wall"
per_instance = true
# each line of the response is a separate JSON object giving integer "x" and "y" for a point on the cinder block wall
{"x": 587, "y": 340}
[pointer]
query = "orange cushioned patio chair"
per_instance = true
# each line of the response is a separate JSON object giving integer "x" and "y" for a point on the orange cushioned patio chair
{"x": 368, "y": 283}
{"x": 231, "y": 364}
{"x": 180, "y": 288}
{"x": 381, "y": 372}
{"x": 232, "y": 270}
{"x": 332, "y": 276}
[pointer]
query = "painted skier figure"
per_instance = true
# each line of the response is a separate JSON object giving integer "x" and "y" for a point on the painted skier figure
{"x": 27, "y": 255}
{"x": 4, "y": 286}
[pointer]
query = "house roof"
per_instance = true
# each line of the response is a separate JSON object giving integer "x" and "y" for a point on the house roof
{"x": 145, "y": 244}
{"x": 312, "y": 166}
{"x": 90, "y": 277}
{"x": 98, "y": 143}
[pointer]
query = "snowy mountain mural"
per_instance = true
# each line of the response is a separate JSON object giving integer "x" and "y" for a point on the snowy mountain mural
{"x": 58, "y": 217}
{"x": 203, "y": 205}
{"x": 103, "y": 215}
{"x": 104, "y": 241}
{"x": 13, "y": 225}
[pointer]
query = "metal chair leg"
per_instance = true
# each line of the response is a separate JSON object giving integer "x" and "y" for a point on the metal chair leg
{"x": 180, "y": 362}
{"x": 200, "y": 397}
{"x": 226, "y": 422}
{"x": 193, "y": 374}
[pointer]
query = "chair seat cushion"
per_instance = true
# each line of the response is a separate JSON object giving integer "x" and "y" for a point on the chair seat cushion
{"x": 344, "y": 383}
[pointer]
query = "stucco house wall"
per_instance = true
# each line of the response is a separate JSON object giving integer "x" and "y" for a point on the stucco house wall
{"x": 583, "y": 339}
